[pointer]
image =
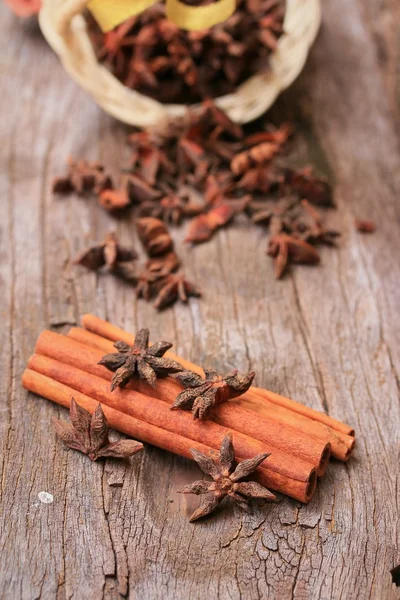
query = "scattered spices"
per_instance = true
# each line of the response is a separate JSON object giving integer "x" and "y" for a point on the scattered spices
{"x": 140, "y": 361}
{"x": 152, "y": 55}
{"x": 364, "y": 226}
{"x": 204, "y": 394}
{"x": 89, "y": 434}
{"x": 204, "y": 168}
{"x": 226, "y": 481}
{"x": 119, "y": 259}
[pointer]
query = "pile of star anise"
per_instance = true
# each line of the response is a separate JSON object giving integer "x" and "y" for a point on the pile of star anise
{"x": 151, "y": 54}
{"x": 208, "y": 171}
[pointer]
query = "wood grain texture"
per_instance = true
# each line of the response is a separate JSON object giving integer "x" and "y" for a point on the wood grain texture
{"x": 328, "y": 336}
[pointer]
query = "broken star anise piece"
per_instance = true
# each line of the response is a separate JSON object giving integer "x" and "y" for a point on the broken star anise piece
{"x": 203, "y": 394}
{"x": 140, "y": 361}
{"x": 82, "y": 177}
{"x": 202, "y": 227}
{"x": 172, "y": 287}
{"x": 285, "y": 248}
{"x": 89, "y": 434}
{"x": 316, "y": 189}
{"x": 226, "y": 481}
{"x": 155, "y": 269}
{"x": 154, "y": 236}
{"x": 119, "y": 259}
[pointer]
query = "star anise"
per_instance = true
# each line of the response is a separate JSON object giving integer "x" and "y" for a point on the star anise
{"x": 154, "y": 236}
{"x": 173, "y": 287}
{"x": 285, "y": 248}
{"x": 202, "y": 227}
{"x": 171, "y": 208}
{"x": 226, "y": 481}
{"x": 82, "y": 177}
{"x": 140, "y": 361}
{"x": 155, "y": 269}
{"x": 89, "y": 434}
{"x": 204, "y": 394}
{"x": 119, "y": 259}
{"x": 114, "y": 200}
{"x": 308, "y": 226}
{"x": 316, "y": 189}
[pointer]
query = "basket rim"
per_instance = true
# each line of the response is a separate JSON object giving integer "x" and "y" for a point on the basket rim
{"x": 65, "y": 30}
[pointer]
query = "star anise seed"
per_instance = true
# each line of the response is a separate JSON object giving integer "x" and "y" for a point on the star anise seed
{"x": 140, "y": 361}
{"x": 203, "y": 394}
{"x": 89, "y": 434}
{"x": 226, "y": 481}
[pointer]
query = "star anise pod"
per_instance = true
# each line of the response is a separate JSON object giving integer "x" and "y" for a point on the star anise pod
{"x": 202, "y": 227}
{"x": 204, "y": 394}
{"x": 226, "y": 481}
{"x": 89, "y": 434}
{"x": 173, "y": 287}
{"x": 285, "y": 248}
{"x": 119, "y": 259}
{"x": 308, "y": 226}
{"x": 316, "y": 189}
{"x": 82, "y": 177}
{"x": 154, "y": 236}
{"x": 264, "y": 212}
{"x": 140, "y": 361}
{"x": 171, "y": 209}
{"x": 155, "y": 269}
{"x": 114, "y": 200}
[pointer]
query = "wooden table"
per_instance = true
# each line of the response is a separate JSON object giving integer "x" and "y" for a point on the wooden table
{"x": 328, "y": 336}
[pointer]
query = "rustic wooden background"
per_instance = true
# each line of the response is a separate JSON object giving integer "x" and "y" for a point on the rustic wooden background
{"x": 328, "y": 336}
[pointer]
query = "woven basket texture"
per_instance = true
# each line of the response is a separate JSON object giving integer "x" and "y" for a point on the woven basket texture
{"x": 65, "y": 29}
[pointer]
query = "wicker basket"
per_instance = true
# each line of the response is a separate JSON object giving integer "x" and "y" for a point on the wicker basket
{"x": 65, "y": 29}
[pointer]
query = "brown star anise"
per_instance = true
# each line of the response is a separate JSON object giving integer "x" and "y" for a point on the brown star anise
{"x": 202, "y": 227}
{"x": 173, "y": 287}
{"x": 154, "y": 236}
{"x": 286, "y": 248}
{"x": 226, "y": 481}
{"x": 119, "y": 259}
{"x": 203, "y": 394}
{"x": 140, "y": 361}
{"x": 155, "y": 269}
{"x": 89, "y": 434}
{"x": 82, "y": 177}
{"x": 172, "y": 209}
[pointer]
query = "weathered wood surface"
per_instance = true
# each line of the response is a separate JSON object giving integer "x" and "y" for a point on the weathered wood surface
{"x": 328, "y": 336}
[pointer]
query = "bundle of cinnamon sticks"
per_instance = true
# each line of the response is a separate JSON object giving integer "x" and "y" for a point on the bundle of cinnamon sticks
{"x": 299, "y": 438}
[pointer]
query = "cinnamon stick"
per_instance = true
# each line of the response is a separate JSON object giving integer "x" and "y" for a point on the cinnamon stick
{"x": 299, "y": 434}
{"x": 51, "y": 389}
{"x": 269, "y": 431}
{"x": 340, "y": 435}
{"x": 156, "y": 412}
